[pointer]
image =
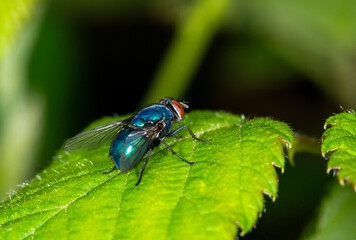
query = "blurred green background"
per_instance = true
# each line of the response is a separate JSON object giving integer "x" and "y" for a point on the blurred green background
{"x": 66, "y": 63}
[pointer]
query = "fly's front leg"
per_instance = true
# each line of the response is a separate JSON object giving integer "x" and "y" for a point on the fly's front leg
{"x": 190, "y": 132}
{"x": 174, "y": 153}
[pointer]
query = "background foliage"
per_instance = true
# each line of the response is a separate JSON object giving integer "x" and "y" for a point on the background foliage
{"x": 65, "y": 63}
{"x": 339, "y": 142}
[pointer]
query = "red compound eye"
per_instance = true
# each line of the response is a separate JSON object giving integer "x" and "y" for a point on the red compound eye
{"x": 179, "y": 109}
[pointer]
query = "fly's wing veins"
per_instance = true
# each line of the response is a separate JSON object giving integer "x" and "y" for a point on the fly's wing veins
{"x": 96, "y": 136}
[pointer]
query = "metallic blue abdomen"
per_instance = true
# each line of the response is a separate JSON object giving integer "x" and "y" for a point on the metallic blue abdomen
{"x": 116, "y": 146}
{"x": 129, "y": 147}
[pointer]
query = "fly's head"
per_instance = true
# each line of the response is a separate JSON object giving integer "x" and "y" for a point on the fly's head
{"x": 177, "y": 108}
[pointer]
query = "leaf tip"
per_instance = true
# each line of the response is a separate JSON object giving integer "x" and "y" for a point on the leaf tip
{"x": 286, "y": 143}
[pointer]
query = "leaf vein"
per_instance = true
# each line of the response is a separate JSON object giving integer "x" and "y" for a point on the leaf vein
{"x": 48, "y": 186}
{"x": 183, "y": 187}
{"x": 28, "y": 215}
{"x": 119, "y": 207}
{"x": 68, "y": 204}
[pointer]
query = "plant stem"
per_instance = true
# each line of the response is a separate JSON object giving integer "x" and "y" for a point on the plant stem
{"x": 188, "y": 47}
{"x": 304, "y": 143}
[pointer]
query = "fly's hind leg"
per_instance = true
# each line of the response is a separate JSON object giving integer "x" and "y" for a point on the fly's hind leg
{"x": 174, "y": 153}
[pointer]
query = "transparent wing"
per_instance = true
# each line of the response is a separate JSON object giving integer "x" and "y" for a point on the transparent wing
{"x": 135, "y": 147}
{"x": 96, "y": 136}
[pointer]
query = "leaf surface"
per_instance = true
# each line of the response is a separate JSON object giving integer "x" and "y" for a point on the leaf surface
{"x": 339, "y": 142}
{"x": 223, "y": 190}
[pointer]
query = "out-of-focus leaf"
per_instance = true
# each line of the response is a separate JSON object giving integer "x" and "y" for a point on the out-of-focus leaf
{"x": 337, "y": 217}
{"x": 13, "y": 16}
{"x": 222, "y": 191}
{"x": 339, "y": 140}
{"x": 315, "y": 36}
{"x": 20, "y": 112}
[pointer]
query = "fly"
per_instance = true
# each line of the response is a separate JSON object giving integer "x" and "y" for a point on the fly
{"x": 133, "y": 137}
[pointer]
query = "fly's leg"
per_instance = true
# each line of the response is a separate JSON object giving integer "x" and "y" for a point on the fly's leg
{"x": 110, "y": 170}
{"x": 190, "y": 132}
{"x": 144, "y": 166}
{"x": 174, "y": 153}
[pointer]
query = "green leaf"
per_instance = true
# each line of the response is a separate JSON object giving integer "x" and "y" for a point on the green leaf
{"x": 337, "y": 216}
{"x": 207, "y": 200}
{"x": 339, "y": 141}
